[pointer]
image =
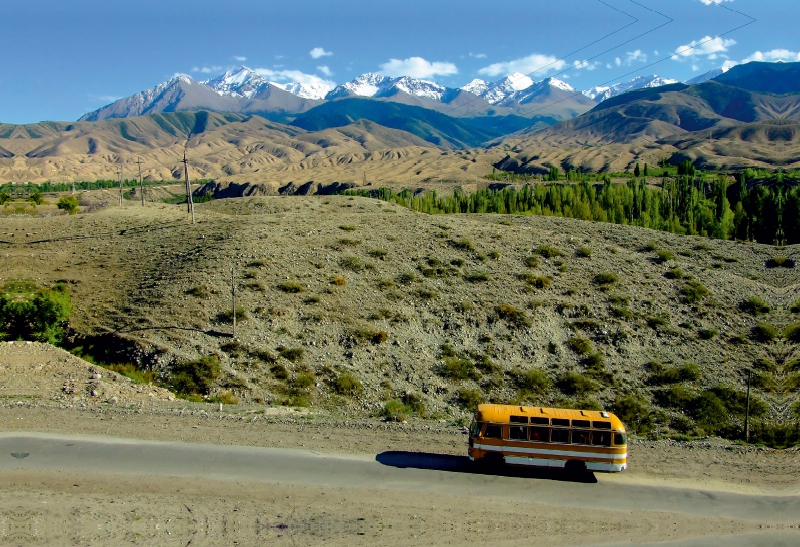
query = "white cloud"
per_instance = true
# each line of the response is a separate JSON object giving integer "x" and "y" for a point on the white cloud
{"x": 294, "y": 76}
{"x": 618, "y": 61}
{"x": 178, "y": 74}
{"x": 695, "y": 68}
{"x": 478, "y": 55}
{"x": 709, "y": 2}
{"x": 773, "y": 55}
{"x": 318, "y": 52}
{"x": 728, "y": 64}
{"x": 633, "y": 56}
{"x": 526, "y": 65}
{"x": 240, "y": 58}
{"x": 325, "y": 70}
{"x": 585, "y": 65}
{"x": 208, "y": 69}
{"x": 417, "y": 67}
{"x": 703, "y": 46}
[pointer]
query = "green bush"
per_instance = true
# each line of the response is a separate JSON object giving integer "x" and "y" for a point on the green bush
{"x": 512, "y": 316}
{"x": 537, "y": 281}
{"x": 462, "y": 245}
{"x": 227, "y": 315}
{"x": 677, "y": 397}
{"x": 291, "y": 354}
{"x": 709, "y": 411}
{"x": 574, "y": 383}
{"x": 580, "y": 345}
{"x": 674, "y": 273}
{"x": 352, "y": 263}
{"x": 476, "y": 277}
{"x": 458, "y": 368}
{"x": 291, "y": 287}
{"x": 396, "y": 411}
{"x": 406, "y": 278}
{"x": 348, "y": 228}
{"x": 28, "y": 314}
{"x": 348, "y": 385}
{"x": 425, "y": 294}
{"x": 5, "y": 197}
{"x": 583, "y": 252}
{"x": 302, "y": 383}
{"x": 780, "y": 262}
{"x": 606, "y": 278}
{"x": 621, "y": 313}
{"x": 533, "y": 380}
{"x": 635, "y": 412}
{"x": 368, "y": 335}
{"x": 68, "y": 204}
{"x": 200, "y": 291}
{"x": 414, "y": 402}
{"x": 470, "y": 398}
{"x": 548, "y": 251}
{"x": 531, "y": 261}
{"x": 279, "y": 371}
{"x": 663, "y": 256}
{"x": 650, "y": 246}
{"x": 707, "y": 334}
{"x": 764, "y": 332}
{"x": 754, "y": 306}
{"x": 792, "y": 333}
{"x": 694, "y": 292}
{"x": 795, "y": 307}
{"x": 688, "y": 372}
{"x": 194, "y": 377}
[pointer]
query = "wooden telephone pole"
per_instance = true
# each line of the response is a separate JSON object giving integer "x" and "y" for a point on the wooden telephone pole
{"x": 233, "y": 300}
{"x": 747, "y": 410}
{"x": 141, "y": 184}
{"x": 121, "y": 174}
{"x": 189, "y": 202}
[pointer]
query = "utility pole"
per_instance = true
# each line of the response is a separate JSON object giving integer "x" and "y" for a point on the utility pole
{"x": 747, "y": 410}
{"x": 121, "y": 173}
{"x": 233, "y": 300}
{"x": 189, "y": 202}
{"x": 141, "y": 184}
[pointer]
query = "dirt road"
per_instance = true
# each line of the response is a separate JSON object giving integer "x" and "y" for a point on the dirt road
{"x": 248, "y": 495}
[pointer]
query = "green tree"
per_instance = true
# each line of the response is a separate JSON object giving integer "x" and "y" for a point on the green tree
{"x": 36, "y": 198}
{"x": 636, "y": 171}
{"x": 68, "y": 204}
{"x": 5, "y": 197}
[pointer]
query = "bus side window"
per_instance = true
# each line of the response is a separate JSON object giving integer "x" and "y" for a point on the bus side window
{"x": 475, "y": 430}
{"x": 560, "y": 435}
{"x": 580, "y": 436}
{"x": 601, "y": 438}
{"x": 540, "y": 434}
{"x": 518, "y": 433}
{"x": 493, "y": 432}
{"x": 619, "y": 439}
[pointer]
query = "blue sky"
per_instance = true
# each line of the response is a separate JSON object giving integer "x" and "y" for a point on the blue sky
{"x": 67, "y": 57}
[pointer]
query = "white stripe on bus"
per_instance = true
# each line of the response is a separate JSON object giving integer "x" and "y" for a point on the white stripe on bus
{"x": 548, "y": 452}
{"x": 539, "y": 462}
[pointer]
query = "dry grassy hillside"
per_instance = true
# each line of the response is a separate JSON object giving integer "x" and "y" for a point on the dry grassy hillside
{"x": 350, "y": 302}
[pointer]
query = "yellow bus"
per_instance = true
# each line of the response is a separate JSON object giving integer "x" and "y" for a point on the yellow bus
{"x": 548, "y": 437}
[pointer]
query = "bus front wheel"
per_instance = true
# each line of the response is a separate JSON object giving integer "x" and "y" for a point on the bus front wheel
{"x": 492, "y": 461}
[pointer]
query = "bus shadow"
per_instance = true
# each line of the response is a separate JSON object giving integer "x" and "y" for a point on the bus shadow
{"x": 462, "y": 464}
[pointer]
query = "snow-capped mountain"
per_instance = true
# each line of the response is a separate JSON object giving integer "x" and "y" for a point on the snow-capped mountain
{"x": 305, "y": 91}
{"x": 537, "y": 89}
{"x": 238, "y": 82}
{"x": 711, "y": 74}
{"x": 377, "y": 85}
{"x": 500, "y": 90}
{"x": 601, "y": 93}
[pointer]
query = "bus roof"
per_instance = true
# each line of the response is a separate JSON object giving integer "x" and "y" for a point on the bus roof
{"x": 503, "y": 413}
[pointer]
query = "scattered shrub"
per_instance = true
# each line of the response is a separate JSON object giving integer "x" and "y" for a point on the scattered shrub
{"x": 339, "y": 281}
{"x": 709, "y": 411}
{"x": 257, "y": 264}
{"x": 314, "y": 299}
{"x": 663, "y": 256}
{"x": 462, "y": 245}
{"x": 606, "y": 278}
{"x": 764, "y": 382}
{"x": 379, "y": 253}
{"x": 395, "y": 411}
{"x": 548, "y": 251}
{"x": 512, "y": 316}
{"x": 458, "y": 368}
{"x": 676, "y": 397}
{"x": 531, "y": 261}
{"x": 302, "y": 382}
{"x": 352, "y": 263}
{"x": 494, "y": 255}
{"x": 68, "y": 204}
{"x": 707, "y": 334}
{"x": 279, "y": 371}
{"x": 754, "y": 306}
{"x": 226, "y": 398}
{"x": 533, "y": 380}
{"x": 661, "y": 375}
{"x": 792, "y": 333}
{"x": 694, "y": 292}
{"x": 470, "y": 398}
{"x": 291, "y": 287}
{"x": 621, "y": 313}
{"x": 580, "y": 345}
{"x": 476, "y": 277}
{"x": 656, "y": 322}
{"x": 457, "y": 262}
{"x": 291, "y": 354}
{"x": 635, "y": 412}
{"x": 674, "y": 273}
{"x": 795, "y": 307}
{"x": 650, "y": 246}
{"x": 764, "y": 332}
{"x": 574, "y": 383}
{"x": 406, "y": 278}
{"x": 425, "y": 294}
{"x": 373, "y": 336}
{"x": 537, "y": 281}
{"x": 583, "y": 252}
{"x": 200, "y": 291}
{"x": 131, "y": 371}
{"x": 348, "y": 385}
{"x": 194, "y": 377}
{"x": 227, "y": 315}
{"x": 348, "y": 228}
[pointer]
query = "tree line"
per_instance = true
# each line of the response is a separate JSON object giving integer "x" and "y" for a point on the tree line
{"x": 684, "y": 204}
